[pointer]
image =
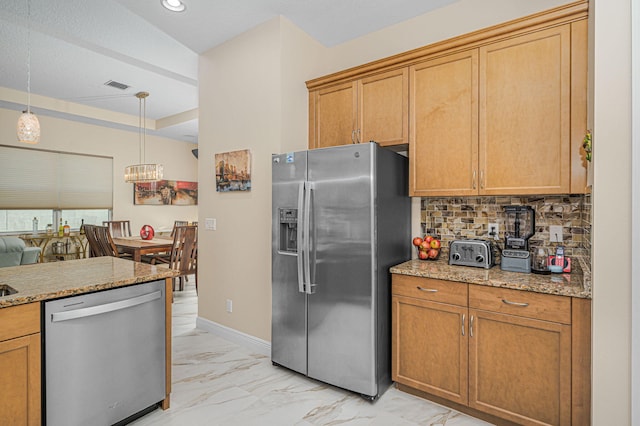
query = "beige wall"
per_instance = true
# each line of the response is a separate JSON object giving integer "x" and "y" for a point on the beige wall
{"x": 252, "y": 96}
{"x": 611, "y": 257}
{"x": 248, "y": 104}
{"x": 70, "y": 136}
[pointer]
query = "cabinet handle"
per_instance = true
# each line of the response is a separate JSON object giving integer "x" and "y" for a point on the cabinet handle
{"x": 473, "y": 180}
{"x": 428, "y": 290}
{"x": 481, "y": 179}
{"x": 463, "y": 324}
{"x": 358, "y": 136}
{"x": 471, "y": 326}
{"x": 353, "y": 139}
{"x": 508, "y": 302}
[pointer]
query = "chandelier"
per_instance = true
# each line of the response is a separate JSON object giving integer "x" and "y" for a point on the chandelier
{"x": 28, "y": 127}
{"x": 143, "y": 172}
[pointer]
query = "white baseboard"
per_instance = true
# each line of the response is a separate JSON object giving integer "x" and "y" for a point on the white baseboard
{"x": 255, "y": 344}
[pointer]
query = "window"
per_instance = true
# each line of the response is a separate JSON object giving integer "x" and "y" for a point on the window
{"x": 52, "y": 185}
{"x": 21, "y": 221}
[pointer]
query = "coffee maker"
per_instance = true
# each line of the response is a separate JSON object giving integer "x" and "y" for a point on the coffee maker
{"x": 519, "y": 227}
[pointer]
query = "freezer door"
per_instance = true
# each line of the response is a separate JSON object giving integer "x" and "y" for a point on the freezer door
{"x": 288, "y": 322}
{"x": 341, "y": 323}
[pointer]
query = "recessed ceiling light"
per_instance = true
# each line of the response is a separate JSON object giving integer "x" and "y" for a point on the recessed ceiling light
{"x": 173, "y": 5}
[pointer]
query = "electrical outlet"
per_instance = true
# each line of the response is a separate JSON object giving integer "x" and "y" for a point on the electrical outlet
{"x": 555, "y": 233}
{"x": 210, "y": 224}
{"x": 229, "y": 305}
{"x": 494, "y": 231}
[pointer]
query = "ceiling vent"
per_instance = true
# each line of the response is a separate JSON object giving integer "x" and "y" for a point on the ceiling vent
{"x": 117, "y": 85}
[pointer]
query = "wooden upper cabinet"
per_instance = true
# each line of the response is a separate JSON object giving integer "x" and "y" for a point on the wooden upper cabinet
{"x": 383, "y": 105}
{"x": 579, "y": 60}
{"x": 333, "y": 115}
{"x": 525, "y": 107}
{"x": 371, "y": 108}
{"x": 499, "y": 111}
{"x": 444, "y": 125}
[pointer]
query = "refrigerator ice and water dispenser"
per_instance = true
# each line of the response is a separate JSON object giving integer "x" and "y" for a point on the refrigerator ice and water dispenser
{"x": 288, "y": 230}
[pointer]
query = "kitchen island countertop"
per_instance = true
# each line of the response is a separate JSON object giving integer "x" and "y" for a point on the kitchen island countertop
{"x": 44, "y": 281}
{"x": 575, "y": 284}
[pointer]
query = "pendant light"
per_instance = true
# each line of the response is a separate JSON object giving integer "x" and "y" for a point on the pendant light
{"x": 143, "y": 172}
{"x": 28, "y": 128}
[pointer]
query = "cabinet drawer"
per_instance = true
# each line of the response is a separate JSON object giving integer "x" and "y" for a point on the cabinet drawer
{"x": 19, "y": 321}
{"x": 451, "y": 292}
{"x": 546, "y": 307}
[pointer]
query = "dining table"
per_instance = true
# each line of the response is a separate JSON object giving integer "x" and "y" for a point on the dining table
{"x": 138, "y": 247}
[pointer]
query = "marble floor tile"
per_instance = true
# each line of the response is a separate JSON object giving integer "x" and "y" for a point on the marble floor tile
{"x": 217, "y": 382}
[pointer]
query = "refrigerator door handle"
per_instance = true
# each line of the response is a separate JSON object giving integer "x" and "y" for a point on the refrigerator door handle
{"x": 300, "y": 242}
{"x": 310, "y": 288}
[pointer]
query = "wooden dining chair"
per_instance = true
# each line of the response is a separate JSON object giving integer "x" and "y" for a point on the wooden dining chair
{"x": 100, "y": 241}
{"x": 184, "y": 254}
{"x": 118, "y": 228}
{"x": 178, "y": 223}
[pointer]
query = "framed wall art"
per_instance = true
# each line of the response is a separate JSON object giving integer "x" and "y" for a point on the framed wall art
{"x": 166, "y": 193}
{"x": 233, "y": 171}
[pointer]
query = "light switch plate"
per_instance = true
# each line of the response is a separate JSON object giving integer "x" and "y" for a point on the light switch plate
{"x": 210, "y": 224}
{"x": 555, "y": 233}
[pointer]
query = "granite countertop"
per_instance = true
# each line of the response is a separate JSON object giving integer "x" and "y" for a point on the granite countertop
{"x": 44, "y": 281}
{"x": 575, "y": 284}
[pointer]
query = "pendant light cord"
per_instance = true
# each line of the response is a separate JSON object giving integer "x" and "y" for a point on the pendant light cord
{"x": 141, "y": 156}
{"x": 29, "y": 56}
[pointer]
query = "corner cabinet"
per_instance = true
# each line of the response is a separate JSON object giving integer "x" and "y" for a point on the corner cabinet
{"x": 513, "y": 355}
{"x": 20, "y": 357}
{"x": 369, "y": 108}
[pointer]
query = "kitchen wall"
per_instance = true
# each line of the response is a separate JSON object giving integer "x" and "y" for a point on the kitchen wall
{"x": 238, "y": 264}
{"x": 71, "y": 136}
{"x": 453, "y": 218}
{"x": 252, "y": 96}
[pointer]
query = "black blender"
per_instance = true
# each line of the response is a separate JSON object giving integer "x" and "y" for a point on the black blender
{"x": 519, "y": 227}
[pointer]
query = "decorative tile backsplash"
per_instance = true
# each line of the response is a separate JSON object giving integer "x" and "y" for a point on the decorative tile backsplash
{"x": 453, "y": 218}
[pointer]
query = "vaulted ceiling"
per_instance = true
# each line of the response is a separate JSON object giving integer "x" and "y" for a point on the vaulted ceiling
{"x": 76, "y": 46}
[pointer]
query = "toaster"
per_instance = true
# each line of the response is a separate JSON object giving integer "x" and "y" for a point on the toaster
{"x": 478, "y": 253}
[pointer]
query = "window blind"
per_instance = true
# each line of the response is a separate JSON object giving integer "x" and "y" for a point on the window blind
{"x": 37, "y": 179}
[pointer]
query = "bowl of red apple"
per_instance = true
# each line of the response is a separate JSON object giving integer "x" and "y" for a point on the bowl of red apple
{"x": 428, "y": 247}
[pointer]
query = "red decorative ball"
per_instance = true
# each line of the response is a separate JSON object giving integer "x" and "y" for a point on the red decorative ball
{"x": 147, "y": 232}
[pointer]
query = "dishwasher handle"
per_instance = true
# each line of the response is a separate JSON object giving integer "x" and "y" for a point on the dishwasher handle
{"x": 105, "y": 308}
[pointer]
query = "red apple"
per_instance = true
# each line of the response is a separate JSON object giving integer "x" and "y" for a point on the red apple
{"x": 417, "y": 241}
{"x": 423, "y": 255}
{"x": 428, "y": 238}
{"x": 424, "y": 246}
{"x": 432, "y": 253}
{"x": 435, "y": 244}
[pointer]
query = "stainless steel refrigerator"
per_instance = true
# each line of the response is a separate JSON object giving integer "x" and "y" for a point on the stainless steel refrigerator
{"x": 340, "y": 220}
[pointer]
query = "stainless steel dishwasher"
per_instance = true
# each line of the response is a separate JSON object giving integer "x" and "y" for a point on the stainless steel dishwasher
{"x": 104, "y": 355}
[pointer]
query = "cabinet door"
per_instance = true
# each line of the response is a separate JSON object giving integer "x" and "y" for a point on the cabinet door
{"x": 429, "y": 347}
{"x": 579, "y": 60}
{"x": 520, "y": 368}
{"x": 20, "y": 378}
{"x": 443, "y": 117}
{"x": 525, "y": 100}
{"x": 383, "y": 108}
{"x": 333, "y": 112}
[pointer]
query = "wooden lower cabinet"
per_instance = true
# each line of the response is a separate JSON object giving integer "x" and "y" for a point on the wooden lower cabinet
{"x": 20, "y": 360}
{"x": 430, "y": 350}
{"x": 513, "y": 355}
{"x": 520, "y": 368}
